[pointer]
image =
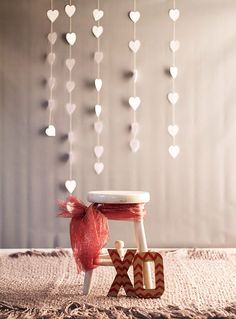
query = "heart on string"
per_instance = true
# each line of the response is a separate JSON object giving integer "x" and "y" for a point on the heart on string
{"x": 134, "y": 102}
{"x": 174, "y": 150}
{"x": 70, "y": 85}
{"x": 98, "y": 167}
{"x": 135, "y": 128}
{"x": 50, "y": 130}
{"x": 97, "y": 14}
{"x": 98, "y": 57}
{"x": 70, "y": 10}
{"x": 174, "y": 71}
{"x": 174, "y": 14}
{"x": 70, "y": 108}
{"x": 134, "y": 45}
{"x": 51, "y": 82}
{"x": 51, "y": 104}
{"x": 51, "y": 57}
{"x": 52, "y": 15}
{"x": 97, "y": 31}
{"x": 174, "y": 45}
{"x": 134, "y": 16}
{"x": 71, "y": 38}
{"x": 98, "y": 151}
{"x": 98, "y": 109}
{"x": 71, "y": 137}
{"x": 134, "y": 145}
{"x": 98, "y": 84}
{"x": 98, "y": 126}
{"x": 173, "y": 97}
{"x": 173, "y": 130}
{"x": 52, "y": 37}
{"x": 70, "y": 63}
{"x": 70, "y": 185}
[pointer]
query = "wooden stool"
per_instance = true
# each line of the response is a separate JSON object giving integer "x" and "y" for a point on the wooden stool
{"x": 123, "y": 197}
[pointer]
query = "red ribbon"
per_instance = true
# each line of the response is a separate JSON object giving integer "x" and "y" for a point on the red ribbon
{"x": 89, "y": 231}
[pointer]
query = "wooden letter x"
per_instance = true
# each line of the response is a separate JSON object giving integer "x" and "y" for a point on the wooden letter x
{"x": 122, "y": 278}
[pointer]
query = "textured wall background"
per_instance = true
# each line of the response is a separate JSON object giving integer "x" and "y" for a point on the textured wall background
{"x": 193, "y": 198}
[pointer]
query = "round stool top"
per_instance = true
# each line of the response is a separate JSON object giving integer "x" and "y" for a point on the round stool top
{"x": 118, "y": 197}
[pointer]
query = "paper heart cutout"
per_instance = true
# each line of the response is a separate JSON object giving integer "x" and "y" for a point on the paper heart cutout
{"x": 70, "y": 10}
{"x": 71, "y": 38}
{"x": 173, "y": 97}
{"x": 174, "y": 14}
{"x": 51, "y": 104}
{"x": 174, "y": 150}
{"x": 97, "y": 14}
{"x": 173, "y": 130}
{"x": 174, "y": 71}
{"x": 70, "y": 85}
{"x": 174, "y": 45}
{"x": 134, "y": 145}
{"x": 97, "y": 31}
{"x": 134, "y": 16}
{"x": 98, "y": 126}
{"x": 98, "y": 109}
{"x": 98, "y": 84}
{"x": 135, "y": 128}
{"x": 134, "y": 45}
{"x": 52, "y": 37}
{"x": 70, "y": 185}
{"x": 98, "y": 151}
{"x": 98, "y": 166}
{"x": 50, "y": 130}
{"x": 70, "y": 63}
{"x": 71, "y": 137}
{"x": 51, "y": 57}
{"x": 70, "y": 108}
{"x": 134, "y": 102}
{"x": 98, "y": 57}
{"x": 52, "y": 15}
{"x": 51, "y": 82}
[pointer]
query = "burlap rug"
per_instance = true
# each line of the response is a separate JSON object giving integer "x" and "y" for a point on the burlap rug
{"x": 199, "y": 284}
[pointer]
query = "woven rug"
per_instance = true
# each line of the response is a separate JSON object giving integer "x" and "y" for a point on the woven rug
{"x": 199, "y": 284}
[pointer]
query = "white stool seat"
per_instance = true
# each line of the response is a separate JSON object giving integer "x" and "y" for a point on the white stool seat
{"x": 118, "y": 197}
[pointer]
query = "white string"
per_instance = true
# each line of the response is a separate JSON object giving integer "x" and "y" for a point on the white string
{"x": 70, "y": 115}
{"x": 50, "y": 120}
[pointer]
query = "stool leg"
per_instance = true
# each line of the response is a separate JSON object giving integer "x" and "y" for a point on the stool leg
{"x": 88, "y": 282}
{"x": 142, "y": 247}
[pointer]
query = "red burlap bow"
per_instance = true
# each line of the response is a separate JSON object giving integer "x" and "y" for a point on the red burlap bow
{"x": 89, "y": 231}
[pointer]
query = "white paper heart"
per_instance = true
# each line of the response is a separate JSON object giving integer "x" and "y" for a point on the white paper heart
{"x": 51, "y": 57}
{"x": 98, "y": 151}
{"x": 98, "y": 109}
{"x": 134, "y": 102}
{"x": 51, "y": 104}
{"x": 98, "y": 166}
{"x": 134, "y": 145}
{"x": 174, "y": 45}
{"x": 71, "y": 137}
{"x": 135, "y": 75}
{"x": 135, "y": 128}
{"x": 71, "y": 38}
{"x": 70, "y": 10}
{"x": 50, "y": 130}
{"x": 174, "y": 71}
{"x": 70, "y": 185}
{"x": 174, "y": 14}
{"x": 70, "y": 108}
{"x": 51, "y": 82}
{"x": 174, "y": 150}
{"x": 97, "y": 31}
{"x": 98, "y": 57}
{"x": 98, "y": 84}
{"x": 70, "y": 85}
{"x": 134, "y": 16}
{"x": 134, "y": 45}
{"x": 97, "y": 14}
{"x": 173, "y": 130}
{"x": 52, "y": 15}
{"x": 52, "y": 37}
{"x": 173, "y": 97}
{"x": 70, "y": 63}
{"x": 98, "y": 126}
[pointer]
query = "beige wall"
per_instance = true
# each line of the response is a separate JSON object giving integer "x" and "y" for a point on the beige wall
{"x": 193, "y": 198}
